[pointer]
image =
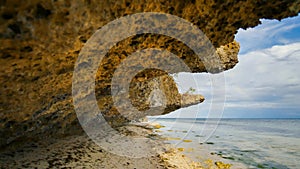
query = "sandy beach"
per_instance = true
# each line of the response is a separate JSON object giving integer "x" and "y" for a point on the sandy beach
{"x": 79, "y": 151}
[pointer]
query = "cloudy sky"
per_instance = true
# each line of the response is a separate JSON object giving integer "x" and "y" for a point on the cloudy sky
{"x": 265, "y": 82}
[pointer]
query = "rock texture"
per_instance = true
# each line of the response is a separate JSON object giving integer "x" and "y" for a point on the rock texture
{"x": 40, "y": 42}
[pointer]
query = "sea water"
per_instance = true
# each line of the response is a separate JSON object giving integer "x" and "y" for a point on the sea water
{"x": 245, "y": 143}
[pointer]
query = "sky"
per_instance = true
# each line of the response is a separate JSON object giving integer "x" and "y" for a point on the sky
{"x": 266, "y": 81}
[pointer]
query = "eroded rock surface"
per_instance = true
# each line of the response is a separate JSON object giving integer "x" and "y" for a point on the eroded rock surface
{"x": 40, "y": 42}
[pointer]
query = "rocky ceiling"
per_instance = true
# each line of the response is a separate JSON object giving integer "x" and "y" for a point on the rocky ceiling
{"x": 41, "y": 40}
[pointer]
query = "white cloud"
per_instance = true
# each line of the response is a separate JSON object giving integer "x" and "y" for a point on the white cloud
{"x": 251, "y": 105}
{"x": 283, "y": 52}
{"x": 269, "y": 33}
{"x": 266, "y": 78}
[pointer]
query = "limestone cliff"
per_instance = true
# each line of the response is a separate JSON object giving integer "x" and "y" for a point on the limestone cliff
{"x": 40, "y": 42}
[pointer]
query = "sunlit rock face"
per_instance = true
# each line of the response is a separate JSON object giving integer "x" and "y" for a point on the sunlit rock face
{"x": 41, "y": 40}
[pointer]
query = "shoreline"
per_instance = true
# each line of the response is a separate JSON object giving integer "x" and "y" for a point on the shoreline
{"x": 80, "y": 151}
{"x": 180, "y": 157}
{"x": 238, "y": 142}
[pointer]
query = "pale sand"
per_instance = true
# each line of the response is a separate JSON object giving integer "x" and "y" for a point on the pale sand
{"x": 81, "y": 152}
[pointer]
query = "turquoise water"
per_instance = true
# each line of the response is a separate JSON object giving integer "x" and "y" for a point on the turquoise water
{"x": 245, "y": 143}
